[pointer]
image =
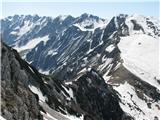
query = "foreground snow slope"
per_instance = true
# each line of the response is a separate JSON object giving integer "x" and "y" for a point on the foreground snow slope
{"x": 140, "y": 56}
{"x": 138, "y": 98}
{"x": 135, "y": 106}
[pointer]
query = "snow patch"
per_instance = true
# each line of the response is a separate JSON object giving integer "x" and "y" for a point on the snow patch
{"x": 115, "y": 21}
{"x": 25, "y": 28}
{"x": 16, "y": 28}
{"x": 105, "y": 76}
{"x": 106, "y": 62}
{"x": 68, "y": 83}
{"x": 31, "y": 69}
{"x": 38, "y": 92}
{"x": 13, "y": 33}
{"x": 32, "y": 43}
{"x": 2, "y": 118}
{"x": 70, "y": 92}
{"x": 44, "y": 72}
{"x": 82, "y": 71}
{"x": 47, "y": 116}
{"x": 110, "y": 48}
{"x": 71, "y": 117}
{"x": 52, "y": 52}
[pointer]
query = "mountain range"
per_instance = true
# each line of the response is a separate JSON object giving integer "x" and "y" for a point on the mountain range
{"x": 104, "y": 69}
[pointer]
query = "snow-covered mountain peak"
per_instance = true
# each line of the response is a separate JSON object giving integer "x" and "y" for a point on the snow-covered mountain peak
{"x": 87, "y": 16}
{"x": 139, "y": 24}
{"x": 88, "y": 22}
{"x": 63, "y": 17}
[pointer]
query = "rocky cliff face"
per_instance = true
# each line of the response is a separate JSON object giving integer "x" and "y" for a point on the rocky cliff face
{"x": 97, "y": 99}
{"x": 29, "y": 95}
{"x": 17, "y": 102}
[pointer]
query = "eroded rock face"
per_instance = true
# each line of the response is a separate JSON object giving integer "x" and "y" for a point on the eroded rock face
{"x": 18, "y": 102}
{"x": 97, "y": 99}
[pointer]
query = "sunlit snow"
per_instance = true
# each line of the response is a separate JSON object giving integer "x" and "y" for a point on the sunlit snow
{"x": 38, "y": 92}
{"x": 2, "y": 118}
{"x": 32, "y": 43}
{"x": 140, "y": 55}
{"x": 133, "y": 105}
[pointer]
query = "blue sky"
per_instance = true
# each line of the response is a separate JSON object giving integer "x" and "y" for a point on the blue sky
{"x": 102, "y": 8}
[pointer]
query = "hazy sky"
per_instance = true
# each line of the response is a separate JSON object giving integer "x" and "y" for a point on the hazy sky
{"x": 101, "y": 8}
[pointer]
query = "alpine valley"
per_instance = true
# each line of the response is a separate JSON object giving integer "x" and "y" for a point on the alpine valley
{"x": 80, "y": 68}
